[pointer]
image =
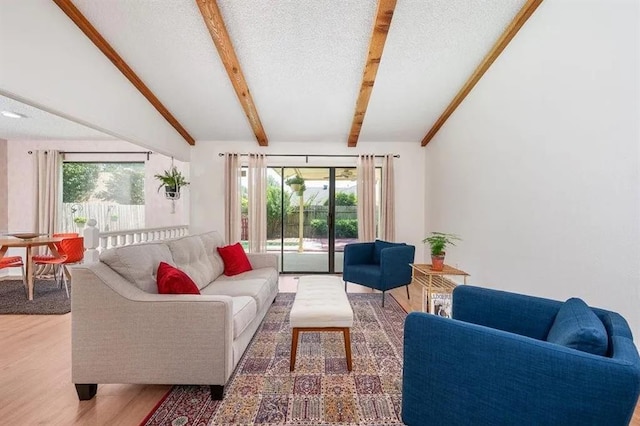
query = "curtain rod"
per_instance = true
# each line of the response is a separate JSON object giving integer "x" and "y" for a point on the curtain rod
{"x": 221, "y": 154}
{"x": 147, "y": 153}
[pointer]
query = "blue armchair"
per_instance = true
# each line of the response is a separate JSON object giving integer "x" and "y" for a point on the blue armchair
{"x": 492, "y": 365}
{"x": 381, "y": 265}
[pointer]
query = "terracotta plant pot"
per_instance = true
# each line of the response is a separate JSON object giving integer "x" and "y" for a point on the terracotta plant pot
{"x": 437, "y": 262}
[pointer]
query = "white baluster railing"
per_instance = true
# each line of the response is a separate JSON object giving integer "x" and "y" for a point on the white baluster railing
{"x": 96, "y": 241}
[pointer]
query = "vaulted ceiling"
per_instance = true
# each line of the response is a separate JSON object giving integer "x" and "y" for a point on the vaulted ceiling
{"x": 344, "y": 71}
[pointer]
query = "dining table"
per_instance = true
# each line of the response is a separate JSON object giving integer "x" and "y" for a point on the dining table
{"x": 29, "y": 244}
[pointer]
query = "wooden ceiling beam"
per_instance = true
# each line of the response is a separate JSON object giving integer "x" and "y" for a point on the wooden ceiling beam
{"x": 96, "y": 38}
{"x": 381, "y": 25}
{"x": 215, "y": 24}
{"x": 520, "y": 19}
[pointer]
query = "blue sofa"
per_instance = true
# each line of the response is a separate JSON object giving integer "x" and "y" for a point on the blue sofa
{"x": 381, "y": 265}
{"x": 492, "y": 365}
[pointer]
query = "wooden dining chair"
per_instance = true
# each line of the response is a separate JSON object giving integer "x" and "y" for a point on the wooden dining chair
{"x": 71, "y": 250}
{"x": 15, "y": 262}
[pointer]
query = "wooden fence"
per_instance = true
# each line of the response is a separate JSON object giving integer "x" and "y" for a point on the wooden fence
{"x": 310, "y": 213}
{"x": 110, "y": 217}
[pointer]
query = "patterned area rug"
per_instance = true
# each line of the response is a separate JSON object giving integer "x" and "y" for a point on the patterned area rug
{"x": 320, "y": 391}
{"x": 48, "y": 298}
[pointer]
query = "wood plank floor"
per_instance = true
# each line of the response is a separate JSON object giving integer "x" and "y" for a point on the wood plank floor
{"x": 35, "y": 373}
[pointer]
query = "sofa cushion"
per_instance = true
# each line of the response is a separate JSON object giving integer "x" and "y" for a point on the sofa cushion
{"x": 576, "y": 326}
{"x": 259, "y": 289}
{"x": 138, "y": 263}
{"x": 172, "y": 280}
{"x": 235, "y": 259}
{"x": 244, "y": 311}
{"x": 379, "y": 245}
{"x": 190, "y": 255}
{"x": 211, "y": 241}
{"x": 265, "y": 274}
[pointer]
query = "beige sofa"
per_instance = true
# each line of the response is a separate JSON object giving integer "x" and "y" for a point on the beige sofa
{"x": 124, "y": 332}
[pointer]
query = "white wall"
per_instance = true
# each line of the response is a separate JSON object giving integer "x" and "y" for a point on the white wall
{"x": 207, "y": 175}
{"x": 4, "y": 198}
{"x": 538, "y": 169}
{"x": 21, "y": 169}
{"x": 51, "y": 65}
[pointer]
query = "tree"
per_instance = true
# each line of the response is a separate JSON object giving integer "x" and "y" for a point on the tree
{"x": 244, "y": 201}
{"x": 79, "y": 181}
{"x": 126, "y": 184}
{"x": 344, "y": 199}
{"x": 276, "y": 207}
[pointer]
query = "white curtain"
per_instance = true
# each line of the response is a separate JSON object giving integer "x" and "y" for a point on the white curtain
{"x": 366, "y": 169}
{"x": 257, "y": 203}
{"x": 387, "y": 214}
{"x": 46, "y": 180}
{"x": 232, "y": 173}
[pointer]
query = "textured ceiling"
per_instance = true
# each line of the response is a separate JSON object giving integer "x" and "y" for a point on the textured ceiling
{"x": 303, "y": 62}
{"x": 431, "y": 50}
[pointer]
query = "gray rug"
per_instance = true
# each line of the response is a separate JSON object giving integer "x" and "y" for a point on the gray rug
{"x": 48, "y": 298}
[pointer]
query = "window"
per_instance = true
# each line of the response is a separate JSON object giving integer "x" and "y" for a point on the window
{"x": 111, "y": 193}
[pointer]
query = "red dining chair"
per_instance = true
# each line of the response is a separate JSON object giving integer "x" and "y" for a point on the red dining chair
{"x": 71, "y": 250}
{"x": 15, "y": 262}
{"x": 74, "y": 250}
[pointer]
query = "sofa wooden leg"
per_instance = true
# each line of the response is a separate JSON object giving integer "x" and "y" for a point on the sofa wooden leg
{"x": 408, "y": 297}
{"x": 86, "y": 391}
{"x": 216, "y": 392}
{"x": 383, "y": 299}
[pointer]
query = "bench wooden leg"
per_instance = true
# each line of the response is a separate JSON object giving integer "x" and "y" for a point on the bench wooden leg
{"x": 294, "y": 348}
{"x": 347, "y": 347}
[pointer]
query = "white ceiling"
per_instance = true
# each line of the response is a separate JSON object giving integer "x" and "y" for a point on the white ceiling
{"x": 302, "y": 59}
{"x": 38, "y": 124}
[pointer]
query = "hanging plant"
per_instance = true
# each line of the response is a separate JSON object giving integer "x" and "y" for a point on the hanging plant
{"x": 296, "y": 183}
{"x": 80, "y": 221}
{"x": 172, "y": 180}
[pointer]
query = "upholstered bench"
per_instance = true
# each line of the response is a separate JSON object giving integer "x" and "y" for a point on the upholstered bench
{"x": 321, "y": 304}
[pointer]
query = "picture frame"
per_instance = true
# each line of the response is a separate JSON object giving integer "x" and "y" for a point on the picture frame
{"x": 440, "y": 304}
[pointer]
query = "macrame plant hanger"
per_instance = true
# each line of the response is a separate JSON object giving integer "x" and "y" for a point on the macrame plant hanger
{"x": 172, "y": 195}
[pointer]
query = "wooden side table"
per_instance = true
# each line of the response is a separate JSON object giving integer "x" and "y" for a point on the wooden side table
{"x": 423, "y": 274}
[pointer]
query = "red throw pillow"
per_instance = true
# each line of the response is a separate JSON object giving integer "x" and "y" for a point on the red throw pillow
{"x": 235, "y": 259}
{"x": 172, "y": 280}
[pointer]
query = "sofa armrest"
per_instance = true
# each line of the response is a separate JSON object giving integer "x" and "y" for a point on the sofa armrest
{"x": 121, "y": 334}
{"x": 263, "y": 260}
{"x": 358, "y": 253}
{"x": 395, "y": 263}
{"x": 470, "y": 374}
{"x": 516, "y": 313}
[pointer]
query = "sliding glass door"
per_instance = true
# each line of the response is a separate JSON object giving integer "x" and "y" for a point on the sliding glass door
{"x": 302, "y": 226}
{"x": 311, "y": 216}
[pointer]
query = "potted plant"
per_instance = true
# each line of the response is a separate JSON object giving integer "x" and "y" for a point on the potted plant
{"x": 80, "y": 221}
{"x": 296, "y": 183}
{"x": 438, "y": 242}
{"x": 171, "y": 180}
